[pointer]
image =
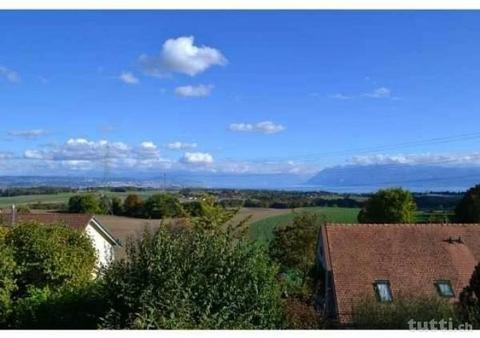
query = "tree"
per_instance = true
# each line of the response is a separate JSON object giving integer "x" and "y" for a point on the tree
{"x": 133, "y": 205}
{"x": 389, "y": 206}
{"x": 199, "y": 277}
{"x": 469, "y": 300}
{"x": 468, "y": 209}
{"x": 163, "y": 205}
{"x": 117, "y": 207}
{"x": 293, "y": 246}
{"x": 86, "y": 203}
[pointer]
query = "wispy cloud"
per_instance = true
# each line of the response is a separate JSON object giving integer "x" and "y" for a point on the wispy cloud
{"x": 180, "y": 55}
{"x": 27, "y": 134}
{"x": 128, "y": 78}
{"x": 177, "y": 145}
{"x": 377, "y": 93}
{"x": 264, "y": 127}
{"x": 9, "y": 75}
{"x": 195, "y": 91}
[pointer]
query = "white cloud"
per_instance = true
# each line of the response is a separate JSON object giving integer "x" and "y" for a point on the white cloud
{"x": 197, "y": 158}
{"x": 128, "y": 78}
{"x": 28, "y": 134}
{"x": 9, "y": 75}
{"x": 380, "y": 93}
{"x": 265, "y": 127}
{"x": 181, "y": 145}
{"x": 180, "y": 55}
{"x": 200, "y": 90}
{"x": 416, "y": 159}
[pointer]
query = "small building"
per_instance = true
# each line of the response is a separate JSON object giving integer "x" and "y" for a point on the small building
{"x": 388, "y": 261}
{"x": 102, "y": 240}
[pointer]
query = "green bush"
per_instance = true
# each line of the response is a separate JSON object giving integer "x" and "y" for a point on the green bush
{"x": 8, "y": 270}
{"x": 79, "y": 308}
{"x": 133, "y": 205}
{"x": 300, "y": 314}
{"x": 200, "y": 278}
{"x": 52, "y": 256}
{"x": 371, "y": 314}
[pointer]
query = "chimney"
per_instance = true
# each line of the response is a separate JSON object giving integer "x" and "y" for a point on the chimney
{"x": 14, "y": 215}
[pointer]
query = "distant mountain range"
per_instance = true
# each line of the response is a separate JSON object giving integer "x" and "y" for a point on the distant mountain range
{"x": 353, "y": 178}
{"x": 364, "y": 178}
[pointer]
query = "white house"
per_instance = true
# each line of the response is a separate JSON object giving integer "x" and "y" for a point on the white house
{"x": 102, "y": 240}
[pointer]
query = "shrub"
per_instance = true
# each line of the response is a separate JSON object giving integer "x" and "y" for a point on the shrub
{"x": 389, "y": 206}
{"x": 52, "y": 256}
{"x": 8, "y": 270}
{"x": 79, "y": 308}
{"x": 300, "y": 314}
{"x": 371, "y": 314}
{"x": 199, "y": 278}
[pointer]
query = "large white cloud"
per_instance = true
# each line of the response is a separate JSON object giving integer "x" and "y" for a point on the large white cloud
{"x": 200, "y": 90}
{"x": 265, "y": 127}
{"x": 9, "y": 75}
{"x": 197, "y": 158}
{"x": 180, "y": 55}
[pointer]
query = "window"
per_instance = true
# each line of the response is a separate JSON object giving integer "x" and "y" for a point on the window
{"x": 444, "y": 288}
{"x": 383, "y": 291}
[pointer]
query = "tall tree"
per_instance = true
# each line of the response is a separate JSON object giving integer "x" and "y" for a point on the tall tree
{"x": 389, "y": 206}
{"x": 468, "y": 209}
{"x": 85, "y": 203}
{"x": 133, "y": 205}
{"x": 470, "y": 300}
{"x": 163, "y": 205}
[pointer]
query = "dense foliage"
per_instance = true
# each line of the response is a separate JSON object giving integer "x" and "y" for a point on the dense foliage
{"x": 194, "y": 278}
{"x": 371, "y": 314}
{"x": 41, "y": 263}
{"x": 470, "y": 300}
{"x": 163, "y": 205}
{"x": 293, "y": 246}
{"x": 468, "y": 209}
{"x": 389, "y": 206}
{"x": 86, "y": 203}
{"x": 133, "y": 205}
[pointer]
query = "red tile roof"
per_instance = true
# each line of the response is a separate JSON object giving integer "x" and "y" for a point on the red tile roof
{"x": 411, "y": 256}
{"x": 75, "y": 221}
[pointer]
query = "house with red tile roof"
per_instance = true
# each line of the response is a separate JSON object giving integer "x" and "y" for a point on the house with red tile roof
{"x": 388, "y": 261}
{"x": 102, "y": 240}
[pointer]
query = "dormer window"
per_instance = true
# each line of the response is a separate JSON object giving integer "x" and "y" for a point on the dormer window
{"x": 444, "y": 288}
{"x": 383, "y": 291}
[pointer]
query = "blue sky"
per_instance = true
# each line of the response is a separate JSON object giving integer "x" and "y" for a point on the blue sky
{"x": 290, "y": 92}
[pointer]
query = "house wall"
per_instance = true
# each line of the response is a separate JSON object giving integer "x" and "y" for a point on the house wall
{"x": 105, "y": 252}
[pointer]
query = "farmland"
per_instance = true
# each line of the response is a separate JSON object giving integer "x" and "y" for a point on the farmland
{"x": 262, "y": 229}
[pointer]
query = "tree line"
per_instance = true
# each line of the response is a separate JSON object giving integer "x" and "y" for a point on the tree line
{"x": 160, "y": 205}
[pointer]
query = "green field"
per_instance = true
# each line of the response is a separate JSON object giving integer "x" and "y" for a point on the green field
{"x": 61, "y": 197}
{"x": 262, "y": 230}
